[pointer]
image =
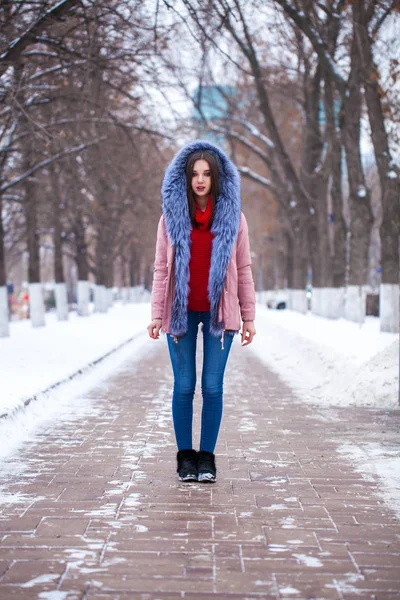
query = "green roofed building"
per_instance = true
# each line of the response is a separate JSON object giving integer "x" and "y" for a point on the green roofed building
{"x": 212, "y": 103}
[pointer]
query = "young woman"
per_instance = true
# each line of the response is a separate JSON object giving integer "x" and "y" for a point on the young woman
{"x": 202, "y": 274}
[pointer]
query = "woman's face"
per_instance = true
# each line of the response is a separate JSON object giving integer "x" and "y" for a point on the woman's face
{"x": 201, "y": 178}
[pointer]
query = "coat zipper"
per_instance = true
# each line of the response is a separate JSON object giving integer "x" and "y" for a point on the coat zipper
{"x": 222, "y": 339}
{"x": 223, "y": 316}
{"x": 171, "y": 288}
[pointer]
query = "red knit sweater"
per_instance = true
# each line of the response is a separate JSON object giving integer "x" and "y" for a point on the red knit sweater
{"x": 200, "y": 260}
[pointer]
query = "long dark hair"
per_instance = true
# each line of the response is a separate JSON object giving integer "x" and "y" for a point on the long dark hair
{"x": 214, "y": 182}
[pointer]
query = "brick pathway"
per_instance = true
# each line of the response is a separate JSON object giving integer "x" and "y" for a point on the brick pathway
{"x": 98, "y": 511}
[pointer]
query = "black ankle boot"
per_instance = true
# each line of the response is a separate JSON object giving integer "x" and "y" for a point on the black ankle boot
{"x": 187, "y": 465}
{"x": 206, "y": 469}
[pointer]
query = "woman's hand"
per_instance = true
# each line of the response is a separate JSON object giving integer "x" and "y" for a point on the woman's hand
{"x": 248, "y": 332}
{"x": 154, "y": 328}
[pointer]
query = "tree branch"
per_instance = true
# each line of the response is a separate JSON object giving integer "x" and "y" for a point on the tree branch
{"x": 47, "y": 161}
{"x": 13, "y": 52}
{"x": 304, "y": 24}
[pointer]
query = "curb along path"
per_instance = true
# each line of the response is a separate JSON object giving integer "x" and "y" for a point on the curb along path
{"x": 92, "y": 507}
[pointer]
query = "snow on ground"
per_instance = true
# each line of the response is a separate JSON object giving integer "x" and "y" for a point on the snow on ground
{"x": 34, "y": 359}
{"x": 338, "y": 363}
{"x": 330, "y": 362}
{"x": 70, "y": 402}
{"x": 65, "y": 352}
{"x": 325, "y": 362}
{"x": 373, "y": 458}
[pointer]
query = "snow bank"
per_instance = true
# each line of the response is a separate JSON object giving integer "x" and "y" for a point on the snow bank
{"x": 330, "y": 362}
{"x": 34, "y": 359}
{"x": 67, "y": 401}
{"x": 338, "y": 363}
{"x": 377, "y": 381}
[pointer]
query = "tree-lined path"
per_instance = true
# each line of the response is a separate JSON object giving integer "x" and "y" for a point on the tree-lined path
{"x": 92, "y": 507}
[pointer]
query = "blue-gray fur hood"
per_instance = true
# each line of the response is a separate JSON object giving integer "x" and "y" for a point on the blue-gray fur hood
{"x": 225, "y": 228}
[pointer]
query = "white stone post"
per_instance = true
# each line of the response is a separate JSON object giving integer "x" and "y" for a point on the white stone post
{"x": 61, "y": 301}
{"x": 125, "y": 295}
{"x": 97, "y": 298}
{"x": 316, "y": 301}
{"x": 298, "y": 301}
{"x": 4, "y": 323}
{"x": 103, "y": 298}
{"x": 134, "y": 293}
{"x": 332, "y": 302}
{"x": 355, "y": 304}
{"x": 83, "y": 294}
{"x": 109, "y": 295}
{"x": 36, "y": 304}
{"x": 389, "y": 307}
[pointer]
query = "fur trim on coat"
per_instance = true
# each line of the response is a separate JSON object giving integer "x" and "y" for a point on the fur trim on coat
{"x": 225, "y": 228}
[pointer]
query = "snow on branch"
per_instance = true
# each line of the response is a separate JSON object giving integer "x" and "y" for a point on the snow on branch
{"x": 256, "y": 177}
{"x": 264, "y": 181}
{"x": 256, "y": 133}
{"x": 48, "y": 161}
{"x": 13, "y": 52}
{"x": 306, "y": 26}
{"x": 56, "y": 68}
{"x": 112, "y": 121}
{"x": 241, "y": 139}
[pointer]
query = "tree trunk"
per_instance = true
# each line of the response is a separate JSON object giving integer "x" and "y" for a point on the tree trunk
{"x": 299, "y": 263}
{"x": 124, "y": 271}
{"x": 361, "y": 216}
{"x": 133, "y": 268}
{"x": 148, "y": 277}
{"x": 289, "y": 261}
{"x": 338, "y": 223}
{"x": 299, "y": 259}
{"x": 81, "y": 248}
{"x": 320, "y": 255}
{"x": 335, "y": 219}
{"x": 100, "y": 259}
{"x": 57, "y": 228}
{"x": 388, "y": 177}
{"x": 4, "y": 310}
{"x": 314, "y": 181}
{"x": 33, "y": 239}
{"x": 3, "y": 277}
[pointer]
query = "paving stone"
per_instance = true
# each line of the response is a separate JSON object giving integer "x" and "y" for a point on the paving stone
{"x": 97, "y": 511}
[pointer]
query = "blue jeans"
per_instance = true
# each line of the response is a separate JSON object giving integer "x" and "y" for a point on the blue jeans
{"x": 183, "y": 359}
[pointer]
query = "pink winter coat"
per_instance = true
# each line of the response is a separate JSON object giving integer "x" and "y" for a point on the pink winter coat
{"x": 238, "y": 297}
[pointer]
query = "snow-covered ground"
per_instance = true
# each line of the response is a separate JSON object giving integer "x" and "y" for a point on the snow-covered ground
{"x": 77, "y": 354}
{"x": 338, "y": 363}
{"x": 34, "y": 359}
{"x": 330, "y": 362}
{"x": 325, "y": 362}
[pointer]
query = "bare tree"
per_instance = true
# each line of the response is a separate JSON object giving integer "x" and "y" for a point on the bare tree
{"x": 367, "y": 18}
{"x": 301, "y": 189}
{"x": 70, "y": 82}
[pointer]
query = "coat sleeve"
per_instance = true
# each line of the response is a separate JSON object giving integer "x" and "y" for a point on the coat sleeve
{"x": 246, "y": 291}
{"x": 160, "y": 274}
